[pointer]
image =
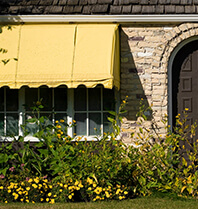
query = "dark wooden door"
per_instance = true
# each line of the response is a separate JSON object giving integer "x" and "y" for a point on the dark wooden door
{"x": 187, "y": 97}
{"x": 185, "y": 82}
{"x": 185, "y": 87}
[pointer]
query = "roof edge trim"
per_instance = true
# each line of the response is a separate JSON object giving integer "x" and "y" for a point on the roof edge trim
{"x": 96, "y": 18}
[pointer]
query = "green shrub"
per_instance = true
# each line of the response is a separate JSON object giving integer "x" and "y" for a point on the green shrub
{"x": 165, "y": 164}
{"x": 59, "y": 168}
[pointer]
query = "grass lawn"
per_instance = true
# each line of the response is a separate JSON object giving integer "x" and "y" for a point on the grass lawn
{"x": 138, "y": 203}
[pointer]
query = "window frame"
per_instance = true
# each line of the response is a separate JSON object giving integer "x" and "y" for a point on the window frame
{"x": 69, "y": 111}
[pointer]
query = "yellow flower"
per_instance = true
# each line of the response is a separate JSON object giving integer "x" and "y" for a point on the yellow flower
{"x": 50, "y": 194}
{"x": 16, "y": 196}
{"x": 59, "y": 136}
{"x": 33, "y": 202}
{"x": 118, "y": 191}
{"x": 65, "y": 185}
{"x": 50, "y": 186}
{"x": 97, "y": 197}
{"x": 47, "y": 199}
{"x": 42, "y": 199}
{"x": 98, "y": 190}
{"x": 56, "y": 121}
{"x": 107, "y": 194}
{"x": 70, "y": 197}
{"x": 27, "y": 188}
{"x": 34, "y": 185}
{"x": 125, "y": 192}
{"x": 52, "y": 201}
{"x": 50, "y": 146}
{"x": 30, "y": 180}
{"x": 36, "y": 180}
{"x": 120, "y": 197}
{"x": 80, "y": 185}
{"x": 6, "y": 201}
{"x": 74, "y": 121}
{"x": 61, "y": 185}
{"x": 186, "y": 109}
{"x": 90, "y": 181}
{"x": 94, "y": 184}
{"x": 62, "y": 121}
{"x": 60, "y": 190}
{"x": 1, "y": 187}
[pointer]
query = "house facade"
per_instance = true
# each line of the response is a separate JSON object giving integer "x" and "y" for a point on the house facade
{"x": 158, "y": 49}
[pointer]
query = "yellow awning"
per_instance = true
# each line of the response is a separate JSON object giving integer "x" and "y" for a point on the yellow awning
{"x": 61, "y": 54}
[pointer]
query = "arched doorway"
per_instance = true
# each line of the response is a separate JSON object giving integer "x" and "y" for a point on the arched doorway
{"x": 185, "y": 82}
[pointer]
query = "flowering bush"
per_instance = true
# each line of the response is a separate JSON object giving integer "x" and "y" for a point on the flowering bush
{"x": 75, "y": 169}
{"x": 59, "y": 168}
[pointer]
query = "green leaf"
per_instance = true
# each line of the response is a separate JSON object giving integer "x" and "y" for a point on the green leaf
{"x": 43, "y": 151}
{"x": 3, "y": 171}
{"x": 112, "y": 113}
{"x": 110, "y": 119}
{"x": 3, "y": 158}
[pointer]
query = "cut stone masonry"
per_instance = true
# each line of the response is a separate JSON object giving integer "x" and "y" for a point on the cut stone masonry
{"x": 145, "y": 53}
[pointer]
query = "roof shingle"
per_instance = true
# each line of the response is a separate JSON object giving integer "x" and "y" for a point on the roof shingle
{"x": 106, "y": 7}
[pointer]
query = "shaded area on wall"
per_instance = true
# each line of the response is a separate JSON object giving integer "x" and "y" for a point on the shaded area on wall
{"x": 131, "y": 84}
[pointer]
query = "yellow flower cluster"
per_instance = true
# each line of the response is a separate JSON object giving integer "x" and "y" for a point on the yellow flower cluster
{"x": 41, "y": 190}
{"x": 69, "y": 187}
{"x": 97, "y": 192}
{"x": 23, "y": 191}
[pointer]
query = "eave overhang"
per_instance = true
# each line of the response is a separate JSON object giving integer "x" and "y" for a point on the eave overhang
{"x": 97, "y": 18}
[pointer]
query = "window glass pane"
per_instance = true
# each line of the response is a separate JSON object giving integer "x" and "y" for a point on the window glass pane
{"x": 80, "y": 98}
{"x": 94, "y": 123}
{"x": 107, "y": 126}
{"x": 94, "y": 99}
{"x": 108, "y": 99}
{"x": 60, "y": 99}
{"x": 81, "y": 127}
{"x": 61, "y": 116}
{"x": 1, "y": 124}
{"x": 1, "y": 99}
{"x": 11, "y": 99}
{"x": 12, "y": 124}
{"x": 31, "y": 97}
{"x": 31, "y": 127}
{"x": 46, "y": 97}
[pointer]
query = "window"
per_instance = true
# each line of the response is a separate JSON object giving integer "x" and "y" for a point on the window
{"x": 88, "y": 107}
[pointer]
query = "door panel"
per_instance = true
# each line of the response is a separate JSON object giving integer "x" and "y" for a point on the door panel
{"x": 185, "y": 85}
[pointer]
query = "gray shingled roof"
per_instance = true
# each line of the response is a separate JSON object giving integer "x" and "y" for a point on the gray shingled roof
{"x": 89, "y": 7}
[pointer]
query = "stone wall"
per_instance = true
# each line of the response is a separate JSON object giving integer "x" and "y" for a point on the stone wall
{"x": 145, "y": 53}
